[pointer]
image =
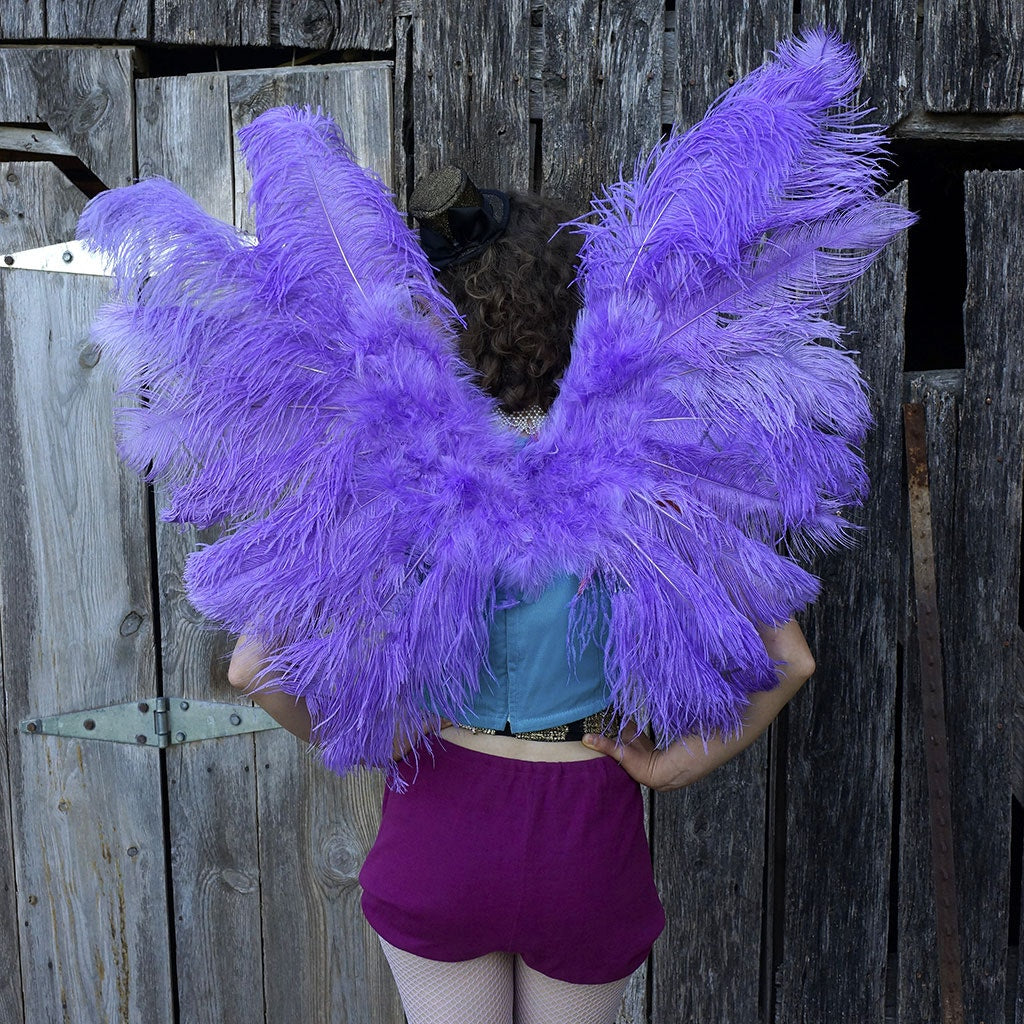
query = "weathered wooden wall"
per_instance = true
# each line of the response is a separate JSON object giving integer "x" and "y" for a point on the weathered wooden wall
{"x": 797, "y": 878}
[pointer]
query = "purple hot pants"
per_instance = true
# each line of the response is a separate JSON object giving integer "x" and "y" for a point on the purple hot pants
{"x": 548, "y": 860}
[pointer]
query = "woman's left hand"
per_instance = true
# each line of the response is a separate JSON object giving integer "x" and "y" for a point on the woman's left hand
{"x": 691, "y": 758}
{"x": 672, "y": 768}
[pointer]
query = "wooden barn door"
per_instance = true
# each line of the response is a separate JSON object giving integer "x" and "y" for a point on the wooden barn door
{"x": 265, "y": 846}
{"x": 214, "y": 880}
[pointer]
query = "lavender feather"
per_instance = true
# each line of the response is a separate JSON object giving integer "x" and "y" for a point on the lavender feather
{"x": 307, "y": 392}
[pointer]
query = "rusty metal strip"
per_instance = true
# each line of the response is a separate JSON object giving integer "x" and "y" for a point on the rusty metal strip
{"x": 933, "y": 716}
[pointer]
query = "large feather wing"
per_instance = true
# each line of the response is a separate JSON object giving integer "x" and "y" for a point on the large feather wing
{"x": 306, "y": 390}
{"x": 708, "y": 421}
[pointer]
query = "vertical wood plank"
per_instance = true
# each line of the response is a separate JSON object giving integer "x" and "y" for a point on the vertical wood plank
{"x": 212, "y": 22}
{"x": 602, "y": 91}
{"x": 11, "y": 999}
{"x": 709, "y": 863}
{"x": 77, "y": 631}
{"x": 840, "y": 749}
{"x": 337, "y": 24}
{"x": 980, "y": 656}
{"x": 917, "y": 983}
{"x": 321, "y": 960}
{"x": 883, "y": 36}
{"x": 87, "y": 19}
{"x": 357, "y": 96}
{"x": 22, "y": 19}
{"x": 83, "y": 93}
{"x": 183, "y": 133}
{"x": 19, "y": 229}
{"x": 974, "y": 57}
{"x": 470, "y": 90}
{"x": 714, "y": 44}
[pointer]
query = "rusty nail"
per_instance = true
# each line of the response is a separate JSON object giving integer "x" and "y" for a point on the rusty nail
{"x": 89, "y": 724}
{"x": 143, "y": 706}
{"x": 180, "y": 737}
{"x": 236, "y": 719}
{"x": 141, "y": 739}
{"x": 32, "y": 727}
{"x": 9, "y": 260}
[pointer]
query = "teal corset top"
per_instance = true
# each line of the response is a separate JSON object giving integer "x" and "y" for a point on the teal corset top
{"x": 530, "y": 684}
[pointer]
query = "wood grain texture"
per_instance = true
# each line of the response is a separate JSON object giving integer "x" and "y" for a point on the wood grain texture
{"x": 708, "y": 846}
{"x": 19, "y": 229}
{"x": 11, "y": 996}
{"x": 183, "y": 134}
{"x": 22, "y": 19}
{"x": 95, "y": 20}
{"x": 883, "y": 36}
{"x": 981, "y": 654}
{"x": 973, "y": 56}
{"x": 713, "y": 44}
{"x": 602, "y": 91}
{"x": 337, "y": 24}
{"x": 321, "y": 959}
{"x": 83, "y": 94}
{"x": 470, "y": 90}
{"x": 212, "y": 22}
{"x": 917, "y": 984}
{"x": 357, "y": 96}
{"x": 77, "y": 631}
{"x": 839, "y": 758}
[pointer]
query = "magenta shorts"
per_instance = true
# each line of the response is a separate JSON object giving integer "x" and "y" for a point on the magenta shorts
{"x": 548, "y": 860}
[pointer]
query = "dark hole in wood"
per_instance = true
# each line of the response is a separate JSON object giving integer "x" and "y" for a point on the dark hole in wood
{"x": 164, "y": 61}
{"x": 937, "y": 270}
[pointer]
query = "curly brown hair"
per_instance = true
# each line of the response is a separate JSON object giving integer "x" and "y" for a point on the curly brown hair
{"x": 520, "y": 304}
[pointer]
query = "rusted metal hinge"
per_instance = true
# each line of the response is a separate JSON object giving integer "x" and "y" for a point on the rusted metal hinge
{"x": 933, "y": 713}
{"x": 155, "y": 722}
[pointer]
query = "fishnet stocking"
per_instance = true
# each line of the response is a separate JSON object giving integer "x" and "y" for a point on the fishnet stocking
{"x": 495, "y": 989}
{"x": 467, "y": 992}
{"x": 543, "y": 1000}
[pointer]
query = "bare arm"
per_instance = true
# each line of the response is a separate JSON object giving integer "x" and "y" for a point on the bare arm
{"x": 686, "y": 760}
{"x": 244, "y": 673}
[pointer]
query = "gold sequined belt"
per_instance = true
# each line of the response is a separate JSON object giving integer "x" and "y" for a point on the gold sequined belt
{"x": 601, "y": 721}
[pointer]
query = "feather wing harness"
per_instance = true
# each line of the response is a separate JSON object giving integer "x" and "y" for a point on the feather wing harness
{"x": 306, "y": 392}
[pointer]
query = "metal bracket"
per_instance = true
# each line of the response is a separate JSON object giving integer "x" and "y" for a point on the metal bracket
{"x": 156, "y": 722}
{"x": 63, "y": 258}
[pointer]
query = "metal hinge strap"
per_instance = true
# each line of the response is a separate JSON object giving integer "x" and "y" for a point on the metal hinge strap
{"x": 155, "y": 722}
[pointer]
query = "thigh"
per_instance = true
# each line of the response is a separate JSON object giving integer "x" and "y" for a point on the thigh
{"x": 478, "y": 991}
{"x": 540, "y": 999}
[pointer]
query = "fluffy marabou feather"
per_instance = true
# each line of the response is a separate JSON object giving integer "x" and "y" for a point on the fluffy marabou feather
{"x": 306, "y": 390}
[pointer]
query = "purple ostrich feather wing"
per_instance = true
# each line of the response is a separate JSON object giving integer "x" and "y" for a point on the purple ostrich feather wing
{"x": 708, "y": 416}
{"x": 306, "y": 391}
